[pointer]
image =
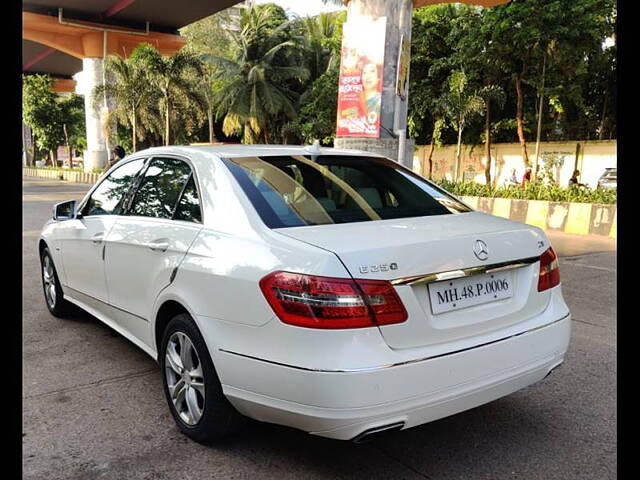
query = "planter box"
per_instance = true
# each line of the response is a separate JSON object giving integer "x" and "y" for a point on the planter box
{"x": 577, "y": 218}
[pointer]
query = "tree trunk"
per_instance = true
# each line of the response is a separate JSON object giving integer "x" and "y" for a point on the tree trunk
{"x": 212, "y": 137}
{"x": 431, "y": 149}
{"x": 520, "y": 119}
{"x": 66, "y": 142}
{"x": 457, "y": 170}
{"x": 266, "y": 135}
{"x": 166, "y": 121}
{"x": 35, "y": 148}
{"x": 134, "y": 128}
{"x": 487, "y": 144}
{"x": 604, "y": 116}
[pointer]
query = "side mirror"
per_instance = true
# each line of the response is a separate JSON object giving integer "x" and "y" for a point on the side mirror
{"x": 65, "y": 211}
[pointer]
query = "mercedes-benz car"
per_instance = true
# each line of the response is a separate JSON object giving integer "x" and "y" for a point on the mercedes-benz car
{"x": 333, "y": 291}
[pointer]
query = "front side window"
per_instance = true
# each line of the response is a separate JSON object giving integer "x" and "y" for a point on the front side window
{"x": 160, "y": 188}
{"x": 289, "y": 191}
{"x": 108, "y": 197}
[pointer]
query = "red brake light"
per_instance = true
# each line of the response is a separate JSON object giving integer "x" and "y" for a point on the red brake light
{"x": 549, "y": 270}
{"x": 325, "y": 302}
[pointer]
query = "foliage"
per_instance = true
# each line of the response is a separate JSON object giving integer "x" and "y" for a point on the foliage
{"x": 168, "y": 75}
{"x": 136, "y": 101}
{"x": 73, "y": 120}
{"x": 532, "y": 191}
{"x": 42, "y": 112}
{"x": 319, "y": 103}
{"x": 274, "y": 79}
{"x": 317, "y": 119}
{"x": 209, "y": 36}
{"x": 256, "y": 94}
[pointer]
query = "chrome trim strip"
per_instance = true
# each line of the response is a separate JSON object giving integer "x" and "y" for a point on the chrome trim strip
{"x": 466, "y": 272}
{"x": 408, "y": 362}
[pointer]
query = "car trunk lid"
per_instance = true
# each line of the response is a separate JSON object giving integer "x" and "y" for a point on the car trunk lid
{"x": 397, "y": 250}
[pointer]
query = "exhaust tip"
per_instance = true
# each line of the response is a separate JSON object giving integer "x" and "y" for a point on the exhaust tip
{"x": 553, "y": 369}
{"x": 368, "y": 435}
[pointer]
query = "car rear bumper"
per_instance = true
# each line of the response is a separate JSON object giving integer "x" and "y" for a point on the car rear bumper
{"x": 344, "y": 404}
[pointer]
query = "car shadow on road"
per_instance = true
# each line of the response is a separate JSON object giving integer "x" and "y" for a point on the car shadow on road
{"x": 505, "y": 432}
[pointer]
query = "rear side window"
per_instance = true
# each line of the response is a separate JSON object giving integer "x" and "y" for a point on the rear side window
{"x": 290, "y": 191}
{"x": 188, "y": 208}
{"x": 108, "y": 197}
{"x": 160, "y": 188}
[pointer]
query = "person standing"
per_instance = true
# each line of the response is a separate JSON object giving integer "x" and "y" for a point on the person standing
{"x": 117, "y": 154}
{"x": 526, "y": 178}
{"x": 513, "y": 180}
{"x": 573, "y": 181}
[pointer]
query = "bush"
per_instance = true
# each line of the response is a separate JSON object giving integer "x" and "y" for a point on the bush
{"x": 532, "y": 191}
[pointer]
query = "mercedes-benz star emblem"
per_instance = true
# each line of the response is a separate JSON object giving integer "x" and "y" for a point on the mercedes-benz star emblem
{"x": 481, "y": 250}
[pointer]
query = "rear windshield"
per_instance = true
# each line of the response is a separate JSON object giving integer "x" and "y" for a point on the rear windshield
{"x": 292, "y": 191}
{"x": 610, "y": 173}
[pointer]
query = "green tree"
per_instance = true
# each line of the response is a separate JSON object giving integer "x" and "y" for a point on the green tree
{"x": 317, "y": 118}
{"x": 318, "y": 104}
{"x": 210, "y": 36}
{"x": 519, "y": 34}
{"x": 135, "y": 98}
{"x": 42, "y": 112}
{"x": 459, "y": 104}
{"x": 256, "y": 90}
{"x": 73, "y": 123}
{"x": 169, "y": 75}
{"x": 491, "y": 94}
{"x": 432, "y": 57}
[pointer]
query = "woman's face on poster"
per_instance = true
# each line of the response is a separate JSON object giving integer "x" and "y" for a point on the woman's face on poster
{"x": 370, "y": 76}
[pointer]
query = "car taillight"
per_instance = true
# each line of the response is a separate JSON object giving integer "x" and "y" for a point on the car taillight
{"x": 325, "y": 302}
{"x": 549, "y": 270}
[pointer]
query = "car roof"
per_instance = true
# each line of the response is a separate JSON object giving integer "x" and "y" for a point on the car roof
{"x": 239, "y": 150}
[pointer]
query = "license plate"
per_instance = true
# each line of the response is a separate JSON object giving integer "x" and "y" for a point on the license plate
{"x": 466, "y": 292}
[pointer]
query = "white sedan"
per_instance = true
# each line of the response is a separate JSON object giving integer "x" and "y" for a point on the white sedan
{"x": 332, "y": 291}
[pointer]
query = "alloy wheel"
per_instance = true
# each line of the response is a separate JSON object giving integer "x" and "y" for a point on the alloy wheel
{"x": 185, "y": 380}
{"x": 49, "y": 279}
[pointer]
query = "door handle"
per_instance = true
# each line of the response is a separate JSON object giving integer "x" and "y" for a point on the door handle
{"x": 97, "y": 238}
{"x": 159, "y": 245}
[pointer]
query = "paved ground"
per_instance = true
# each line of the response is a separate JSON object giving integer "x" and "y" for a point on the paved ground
{"x": 94, "y": 408}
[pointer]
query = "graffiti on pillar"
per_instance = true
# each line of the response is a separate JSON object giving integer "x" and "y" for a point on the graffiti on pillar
{"x": 360, "y": 84}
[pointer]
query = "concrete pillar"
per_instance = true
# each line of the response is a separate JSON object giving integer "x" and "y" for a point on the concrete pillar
{"x": 96, "y": 154}
{"x": 398, "y": 14}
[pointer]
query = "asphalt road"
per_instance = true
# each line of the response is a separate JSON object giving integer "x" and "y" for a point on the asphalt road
{"x": 93, "y": 405}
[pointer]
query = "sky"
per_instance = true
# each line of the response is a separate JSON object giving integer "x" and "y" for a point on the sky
{"x": 303, "y": 7}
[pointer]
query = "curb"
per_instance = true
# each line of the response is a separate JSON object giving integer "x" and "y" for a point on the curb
{"x": 76, "y": 177}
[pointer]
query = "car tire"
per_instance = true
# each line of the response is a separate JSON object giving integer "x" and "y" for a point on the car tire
{"x": 53, "y": 295}
{"x": 191, "y": 385}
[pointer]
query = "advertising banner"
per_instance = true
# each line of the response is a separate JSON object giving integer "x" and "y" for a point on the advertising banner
{"x": 360, "y": 84}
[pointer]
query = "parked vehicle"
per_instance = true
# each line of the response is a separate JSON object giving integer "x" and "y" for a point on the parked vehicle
{"x": 333, "y": 291}
{"x": 609, "y": 179}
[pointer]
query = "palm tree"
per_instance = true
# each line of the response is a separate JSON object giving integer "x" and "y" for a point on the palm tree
{"x": 256, "y": 83}
{"x": 129, "y": 87}
{"x": 317, "y": 31}
{"x": 169, "y": 75}
{"x": 459, "y": 104}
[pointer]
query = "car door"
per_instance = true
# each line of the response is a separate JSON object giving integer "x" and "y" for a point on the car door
{"x": 147, "y": 244}
{"x": 82, "y": 239}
